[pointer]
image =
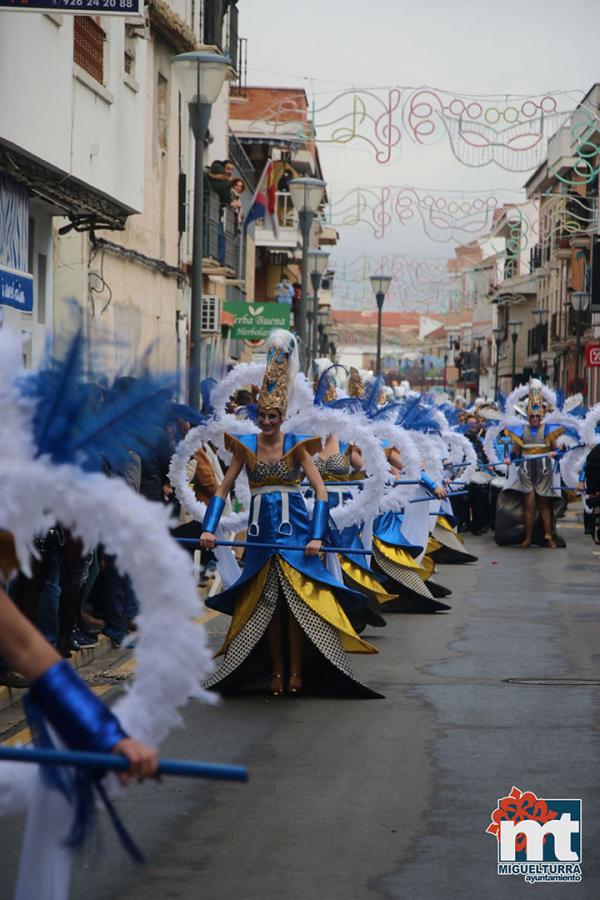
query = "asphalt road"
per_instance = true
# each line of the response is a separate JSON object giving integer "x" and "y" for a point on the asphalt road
{"x": 350, "y": 800}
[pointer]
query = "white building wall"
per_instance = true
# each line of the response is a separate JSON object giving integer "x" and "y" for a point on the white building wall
{"x": 54, "y": 111}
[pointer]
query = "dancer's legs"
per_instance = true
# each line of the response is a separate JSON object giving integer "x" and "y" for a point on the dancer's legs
{"x": 296, "y": 638}
{"x": 528, "y": 517}
{"x": 546, "y": 516}
{"x": 275, "y": 640}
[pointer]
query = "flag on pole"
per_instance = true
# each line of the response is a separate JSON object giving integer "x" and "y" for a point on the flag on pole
{"x": 264, "y": 202}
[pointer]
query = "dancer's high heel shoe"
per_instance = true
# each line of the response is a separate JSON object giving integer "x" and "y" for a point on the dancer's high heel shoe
{"x": 296, "y": 687}
{"x": 276, "y": 686}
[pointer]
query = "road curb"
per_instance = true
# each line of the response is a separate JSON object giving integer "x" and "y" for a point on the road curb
{"x": 10, "y": 696}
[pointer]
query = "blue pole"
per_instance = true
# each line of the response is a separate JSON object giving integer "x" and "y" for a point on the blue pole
{"x": 262, "y": 546}
{"x": 114, "y": 762}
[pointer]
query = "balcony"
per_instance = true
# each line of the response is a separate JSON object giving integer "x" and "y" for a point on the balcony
{"x": 585, "y": 319}
{"x": 289, "y": 233}
{"x": 537, "y": 340}
{"x": 238, "y": 156}
{"x": 221, "y": 238}
{"x": 221, "y": 30}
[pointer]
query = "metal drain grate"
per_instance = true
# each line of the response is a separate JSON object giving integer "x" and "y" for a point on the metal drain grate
{"x": 107, "y": 678}
{"x": 556, "y": 682}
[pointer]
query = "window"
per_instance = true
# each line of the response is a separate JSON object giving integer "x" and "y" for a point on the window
{"x": 88, "y": 46}
{"x": 129, "y": 52}
{"x": 162, "y": 111}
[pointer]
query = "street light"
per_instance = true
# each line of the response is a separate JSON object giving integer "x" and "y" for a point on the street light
{"x": 542, "y": 317}
{"x": 201, "y": 76}
{"x": 307, "y": 196}
{"x": 317, "y": 260}
{"x": 580, "y": 301}
{"x": 478, "y": 340}
{"x": 379, "y": 285}
{"x": 514, "y": 336}
{"x": 322, "y": 319}
{"x": 498, "y": 335}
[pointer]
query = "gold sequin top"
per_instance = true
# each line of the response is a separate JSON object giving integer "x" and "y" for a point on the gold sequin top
{"x": 284, "y": 471}
{"x": 335, "y": 468}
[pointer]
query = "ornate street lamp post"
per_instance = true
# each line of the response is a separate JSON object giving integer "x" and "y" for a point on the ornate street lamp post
{"x": 580, "y": 301}
{"x": 379, "y": 285}
{"x": 318, "y": 260}
{"x": 201, "y": 77}
{"x": 479, "y": 338}
{"x": 307, "y": 196}
{"x": 542, "y": 318}
{"x": 498, "y": 335}
{"x": 514, "y": 326}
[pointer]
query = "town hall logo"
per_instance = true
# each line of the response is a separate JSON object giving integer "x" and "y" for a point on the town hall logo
{"x": 538, "y": 839}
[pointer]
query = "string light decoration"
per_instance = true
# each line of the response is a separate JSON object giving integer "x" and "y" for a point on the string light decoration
{"x": 508, "y": 130}
{"x": 444, "y": 215}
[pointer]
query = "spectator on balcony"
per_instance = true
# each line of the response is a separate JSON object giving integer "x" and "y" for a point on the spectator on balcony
{"x": 284, "y": 292}
{"x": 237, "y": 189}
{"x": 219, "y": 179}
{"x": 283, "y": 185}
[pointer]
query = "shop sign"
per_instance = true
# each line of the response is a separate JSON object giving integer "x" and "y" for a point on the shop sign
{"x": 78, "y": 7}
{"x": 592, "y": 356}
{"x": 16, "y": 289}
{"x": 254, "y": 321}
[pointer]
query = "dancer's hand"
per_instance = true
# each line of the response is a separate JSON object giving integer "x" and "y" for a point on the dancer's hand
{"x": 440, "y": 492}
{"x": 313, "y": 548}
{"x": 208, "y": 540}
{"x": 507, "y": 460}
{"x": 143, "y": 760}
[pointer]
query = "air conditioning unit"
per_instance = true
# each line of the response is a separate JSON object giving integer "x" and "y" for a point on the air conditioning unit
{"x": 211, "y": 314}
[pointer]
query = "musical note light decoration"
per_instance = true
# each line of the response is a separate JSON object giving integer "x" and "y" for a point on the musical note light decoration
{"x": 444, "y": 215}
{"x": 508, "y": 130}
{"x": 420, "y": 284}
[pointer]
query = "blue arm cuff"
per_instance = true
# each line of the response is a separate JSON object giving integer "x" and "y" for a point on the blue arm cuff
{"x": 80, "y": 718}
{"x": 213, "y": 514}
{"x": 319, "y": 520}
{"x": 428, "y": 482}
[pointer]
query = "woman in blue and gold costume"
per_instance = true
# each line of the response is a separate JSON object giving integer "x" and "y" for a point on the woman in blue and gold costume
{"x": 532, "y": 481}
{"x": 286, "y": 607}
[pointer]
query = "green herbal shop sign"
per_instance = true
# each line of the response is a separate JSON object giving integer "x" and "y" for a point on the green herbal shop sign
{"x": 254, "y": 321}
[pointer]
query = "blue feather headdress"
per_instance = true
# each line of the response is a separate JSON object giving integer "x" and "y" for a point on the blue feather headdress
{"x": 87, "y": 425}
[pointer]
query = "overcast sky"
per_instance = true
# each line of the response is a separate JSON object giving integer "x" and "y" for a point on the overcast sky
{"x": 476, "y": 47}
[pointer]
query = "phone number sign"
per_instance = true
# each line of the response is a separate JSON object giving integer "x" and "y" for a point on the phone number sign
{"x": 78, "y": 7}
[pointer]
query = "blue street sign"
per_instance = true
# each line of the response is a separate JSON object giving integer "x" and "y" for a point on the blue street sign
{"x": 78, "y": 7}
{"x": 16, "y": 289}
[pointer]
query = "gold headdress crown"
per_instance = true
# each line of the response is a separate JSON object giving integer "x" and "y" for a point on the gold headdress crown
{"x": 536, "y": 405}
{"x": 356, "y": 387}
{"x": 282, "y": 366}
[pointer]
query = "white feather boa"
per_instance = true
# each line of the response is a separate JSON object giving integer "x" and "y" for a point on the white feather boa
{"x": 35, "y": 493}
{"x": 590, "y": 423}
{"x": 572, "y": 463}
{"x": 242, "y": 375}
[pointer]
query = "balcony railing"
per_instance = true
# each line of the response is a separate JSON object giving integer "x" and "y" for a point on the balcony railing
{"x": 286, "y": 214}
{"x": 585, "y": 319}
{"x": 232, "y": 36}
{"x": 238, "y": 156}
{"x": 537, "y": 339}
{"x": 212, "y": 19}
{"x": 221, "y": 239}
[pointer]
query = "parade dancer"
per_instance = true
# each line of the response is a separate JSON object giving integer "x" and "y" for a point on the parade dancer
{"x": 52, "y": 451}
{"x": 341, "y": 462}
{"x": 533, "y": 479}
{"x": 286, "y": 604}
